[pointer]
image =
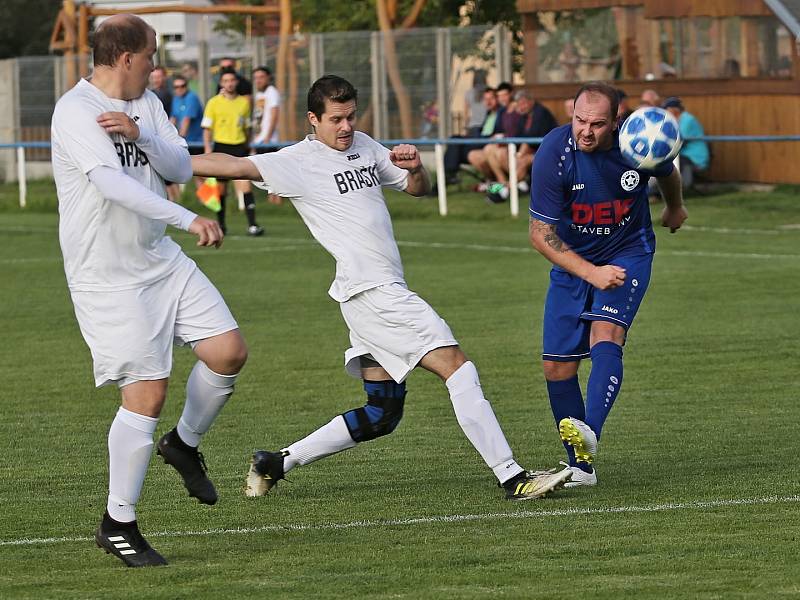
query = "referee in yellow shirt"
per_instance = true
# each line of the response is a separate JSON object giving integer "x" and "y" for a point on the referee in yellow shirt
{"x": 226, "y": 124}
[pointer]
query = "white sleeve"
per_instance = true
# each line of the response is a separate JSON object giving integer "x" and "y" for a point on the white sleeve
{"x": 84, "y": 141}
{"x": 166, "y": 149}
{"x": 118, "y": 187}
{"x": 280, "y": 172}
{"x": 391, "y": 176}
{"x": 273, "y": 98}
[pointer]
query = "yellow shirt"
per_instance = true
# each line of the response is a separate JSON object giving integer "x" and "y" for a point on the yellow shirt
{"x": 227, "y": 119}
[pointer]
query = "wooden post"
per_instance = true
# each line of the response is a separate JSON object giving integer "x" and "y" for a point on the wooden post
{"x": 83, "y": 40}
{"x": 285, "y": 131}
{"x": 69, "y": 39}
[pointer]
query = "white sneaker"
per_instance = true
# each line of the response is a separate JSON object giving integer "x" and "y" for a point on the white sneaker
{"x": 580, "y": 477}
{"x": 580, "y": 436}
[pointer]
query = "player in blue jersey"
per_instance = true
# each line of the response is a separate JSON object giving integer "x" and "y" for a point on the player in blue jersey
{"x": 590, "y": 217}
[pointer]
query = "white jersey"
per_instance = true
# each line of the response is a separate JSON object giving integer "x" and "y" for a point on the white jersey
{"x": 263, "y": 103}
{"x": 107, "y": 247}
{"x": 338, "y": 194}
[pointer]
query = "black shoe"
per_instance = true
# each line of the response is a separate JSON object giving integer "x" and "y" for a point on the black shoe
{"x": 124, "y": 541}
{"x": 191, "y": 466}
{"x": 266, "y": 469}
{"x": 528, "y": 485}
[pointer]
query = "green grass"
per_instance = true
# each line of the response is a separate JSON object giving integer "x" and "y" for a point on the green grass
{"x": 702, "y": 436}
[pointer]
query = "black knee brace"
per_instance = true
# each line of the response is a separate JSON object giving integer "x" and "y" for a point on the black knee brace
{"x": 381, "y": 414}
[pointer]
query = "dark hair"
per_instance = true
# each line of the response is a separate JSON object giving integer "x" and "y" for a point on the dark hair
{"x": 603, "y": 89}
{"x": 160, "y": 68}
{"x": 177, "y": 78}
{"x": 114, "y": 37}
{"x": 505, "y": 86}
{"x": 329, "y": 87}
{"x": 228, "y": 71}
{"x": 262, "y": 68}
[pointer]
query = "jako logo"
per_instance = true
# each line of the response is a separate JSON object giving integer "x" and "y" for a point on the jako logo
{"x": 613, "y": 311}
{"x": 577, "y": 186}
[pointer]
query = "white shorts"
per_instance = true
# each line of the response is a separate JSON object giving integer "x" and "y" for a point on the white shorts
{"x": 395, "y": 327}
{"x": 130, "y": 332}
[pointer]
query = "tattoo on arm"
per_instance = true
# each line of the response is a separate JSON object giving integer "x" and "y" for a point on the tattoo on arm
{"x": 549, "y": 235}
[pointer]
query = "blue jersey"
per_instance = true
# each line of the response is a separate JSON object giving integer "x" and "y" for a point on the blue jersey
{"x": 189, "y": 105}
{"x": 597, "y": 202}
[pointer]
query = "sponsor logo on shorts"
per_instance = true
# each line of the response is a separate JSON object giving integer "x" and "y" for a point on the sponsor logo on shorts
{"x": 610, "y": 309}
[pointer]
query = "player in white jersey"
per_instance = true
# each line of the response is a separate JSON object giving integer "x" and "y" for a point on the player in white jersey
{"x": 134, "y": 291}
{"x": 334, "y": 180}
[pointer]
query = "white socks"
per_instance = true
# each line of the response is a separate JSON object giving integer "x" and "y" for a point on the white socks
{"x": 206, "y": 394}
{"x": 479, "y": 423}
{"x": 130, "y": 443}
{"x": 329, "y": 439}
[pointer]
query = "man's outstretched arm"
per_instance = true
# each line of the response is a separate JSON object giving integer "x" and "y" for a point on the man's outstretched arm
{"x": 226, "y": 166}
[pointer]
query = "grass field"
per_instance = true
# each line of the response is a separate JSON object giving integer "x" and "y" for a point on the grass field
{"x": 698, "y": 494}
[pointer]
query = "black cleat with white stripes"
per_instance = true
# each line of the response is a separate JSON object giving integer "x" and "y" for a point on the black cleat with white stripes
{"x": 124, "y": 541}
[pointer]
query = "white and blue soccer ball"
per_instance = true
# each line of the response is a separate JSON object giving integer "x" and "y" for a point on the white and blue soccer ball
{"x": 649, "y": 137}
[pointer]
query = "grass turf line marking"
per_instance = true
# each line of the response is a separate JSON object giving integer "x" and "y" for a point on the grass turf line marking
{"x": 409, "y": 521}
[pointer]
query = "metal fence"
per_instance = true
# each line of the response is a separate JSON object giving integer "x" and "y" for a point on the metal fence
{"x": 410, "y": 85}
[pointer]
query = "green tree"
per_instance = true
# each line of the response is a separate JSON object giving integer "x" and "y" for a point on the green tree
{"x": 25, "y": 26}
{"x": 320, "y": 16}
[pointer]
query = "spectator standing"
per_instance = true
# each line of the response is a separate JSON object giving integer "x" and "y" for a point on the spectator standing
{"x": 187, "y": 115}
{"x": 474, "y": 107}
{"x": 694, "y": 156}
{"x": 226, "y": 124}
{"x": 266, "y": 115}
{"x": 160, "y": 87}
{"x": 243, "y": 85}
{"x": 266, "y": 108}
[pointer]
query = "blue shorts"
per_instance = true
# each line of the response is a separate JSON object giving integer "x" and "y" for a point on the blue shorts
{"x": 572, "y": 304}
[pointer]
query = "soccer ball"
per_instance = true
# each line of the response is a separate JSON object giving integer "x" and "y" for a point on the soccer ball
{"x": 649, "y": 137}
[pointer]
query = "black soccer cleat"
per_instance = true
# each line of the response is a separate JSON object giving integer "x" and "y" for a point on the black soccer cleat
{"x": 266, "y": 469}
{"x": 529, "y": 486}
{"x": 190, "y": 464}
{"x": 124, "y": 541}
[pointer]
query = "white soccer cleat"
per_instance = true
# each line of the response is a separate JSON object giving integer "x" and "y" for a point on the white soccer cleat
{"x": 580, "y": 477}
{"x": 581, "y": 437}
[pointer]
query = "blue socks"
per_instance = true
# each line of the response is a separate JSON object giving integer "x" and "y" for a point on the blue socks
{"x": 605, "y": 380}
{"x": 566, "y": 400}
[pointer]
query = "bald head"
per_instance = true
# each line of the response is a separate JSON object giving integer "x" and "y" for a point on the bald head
{"x": 650, "y": 98}
{"x": 117, "y": 35}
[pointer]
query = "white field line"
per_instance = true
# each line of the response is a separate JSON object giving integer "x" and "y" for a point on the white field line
{"x": 412, "y": 521}
{"x": 300, "y": 243}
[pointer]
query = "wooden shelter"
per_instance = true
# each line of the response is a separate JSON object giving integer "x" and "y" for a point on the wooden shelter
{"x": 733, "y": 62}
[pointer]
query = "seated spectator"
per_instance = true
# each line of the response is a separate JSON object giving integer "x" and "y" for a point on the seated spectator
{"x": 456, "y": 154}
{"x": 623, "y": 109}
{"x": 694, "y": 155}
{"x": 650, "y": 98}
{"x": 530, "y": 119}
{"x": 569, "y": 109}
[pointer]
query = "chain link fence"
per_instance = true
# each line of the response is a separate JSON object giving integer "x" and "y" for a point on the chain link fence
{"x": 411, "y": 83}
